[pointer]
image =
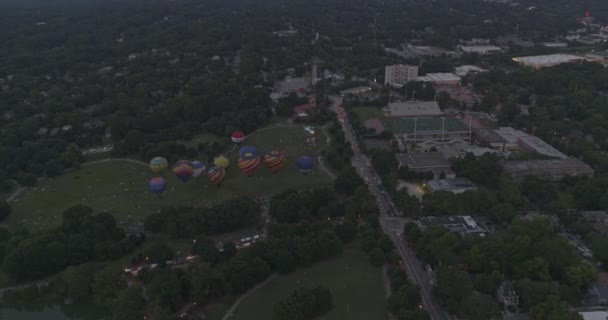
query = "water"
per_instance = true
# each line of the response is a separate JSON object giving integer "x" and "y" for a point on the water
{"x": 54, "y": 312}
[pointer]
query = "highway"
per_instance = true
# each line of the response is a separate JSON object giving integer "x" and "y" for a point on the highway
{"x": 391, "y": 219}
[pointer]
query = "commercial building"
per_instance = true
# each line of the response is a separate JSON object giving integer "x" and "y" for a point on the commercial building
{"x": 548, "y": 60}
{"x": 480, "y": 49}
{"x": 551, "y": 170}
{"x": 594, "y": 315}
{"x": 289, "y": 85}
{"x": 426, "y": 162}
{"x": 400, "y": 74}
{"x": 440, "y": 78}
{"x": 464, "y": 70}
{"x": 554, "y": 44}
{"x": 464, "y": 225}
{"x": 427, "y": 129}
{"x": 357, "y": 91}
{"x": 535, "y": 144}
{"x": 413, "y": 109}
{"x": 455, "y": 185}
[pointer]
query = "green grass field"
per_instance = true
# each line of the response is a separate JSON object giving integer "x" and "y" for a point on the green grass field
{"x": 121, "y": 188}
{"x": 357, "y": 289}
{"x": 364, "y": 113}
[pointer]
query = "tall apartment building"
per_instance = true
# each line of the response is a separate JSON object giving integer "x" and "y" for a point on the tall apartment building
{"x": 400, "y": 74}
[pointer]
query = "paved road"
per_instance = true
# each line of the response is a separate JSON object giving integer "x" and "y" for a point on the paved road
{"x": 391, "y": 219}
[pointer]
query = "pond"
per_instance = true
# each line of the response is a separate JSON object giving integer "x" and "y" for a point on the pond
{"x": 55, "y": 312}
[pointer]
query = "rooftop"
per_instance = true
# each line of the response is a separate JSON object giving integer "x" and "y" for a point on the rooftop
{"x": 594, "y": 315}
{"x": 461, "y": 224}
{"x": 552, "y": 164}
{"x": 542, "y": 147}
{"x": 479, "y": 48}
{"x": 424, "y": 125}
{"x": 414, "y": 109}
{"x": 509, "y": 134}
{"x": 466, "y": 69}
{"x": 548, "y": 60}
{"x": 488, "y": 135}
{"x": 421, "y": 160}
{"x": 451, "y": 184}
{"x": 438, "y": 77}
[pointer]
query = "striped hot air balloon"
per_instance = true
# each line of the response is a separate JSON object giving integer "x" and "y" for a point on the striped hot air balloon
{"x": 158, "y": 185}
{"x": 216, "y": 175}
{"x": 305, "y": 164}
{"x": 249, "y": 160}
{"x": 221, "y": 162}
{"x": 275, "y": 160}
{"x": 238, "y": 137}
{"x": 158, "y": 164}
{"x": 183, "y": 170}
{"x": 198, "y": 167}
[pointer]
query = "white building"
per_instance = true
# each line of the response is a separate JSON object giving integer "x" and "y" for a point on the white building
{"x": 480, "y": 49}
{"x": 467, "y": 69}
{"x": 400, "y": 74}
{"x": 440, "y": 78}
{"x": 594, "y": 315}
{"x": 548, "y": 60}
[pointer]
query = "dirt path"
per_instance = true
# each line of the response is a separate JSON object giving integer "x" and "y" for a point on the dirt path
{"x": 16, "y": 193}
{"x": 114, "y": 159}
{"x": 238, "y": 301}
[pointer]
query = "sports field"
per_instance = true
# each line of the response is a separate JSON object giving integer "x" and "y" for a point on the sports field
{"x": 356, "y": 286}
{"x": 364, "y": 113}
{"x": 121, "y": 187}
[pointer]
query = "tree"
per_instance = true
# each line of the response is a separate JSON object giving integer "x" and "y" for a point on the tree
{"x": 581, "y": 275}
{"x": 5, "y": 210}
{"x": 165, "y": 290}
{"x": 107, "y": 283}
{"x": 553, "y": 309}
{"x": 479, "y": 307}
{"x": 53, "y": 168}
{"x": 205, "y": 247}
{"x": 453, "y": 286}
{"x": 347, "y": 181}
{"x": 304, "y": 303}
{"x": 129, "y": 304}
{"x": 376, "y": 257}
{"x": 158, "y": 253}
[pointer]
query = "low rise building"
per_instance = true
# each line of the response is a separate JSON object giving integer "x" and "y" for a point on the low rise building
{"x": 413, "y": 109}
{"x": 465, "y": 70}
{"x": 455, "y": 185}
{"x": 464, "y": 225}
{"x": 441, "y": 78}
{"x": 550, "y": 170}
{"x": 549, "y": 60}
{"x": 480, "y": 49}
{"x": 594, "y": 315}
{"x": 422, "y": 162}
{"x": 535, "y": 144}
{"x": 356, "y": 91}
{"x": 489, "y": 137}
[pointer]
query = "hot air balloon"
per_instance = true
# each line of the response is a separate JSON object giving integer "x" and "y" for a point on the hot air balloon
{"x": 183, "y": 170}
{"x": 221, "y": 162}
{"x": 198, "y": 167}
{"x": 216, "y": 175}
{"x": 158, "y": 164}
{"x": 275, "y": 160}
{"x": 158, "y": 185}
{"x": 238, "y": 137}
{"x": 249, "y": 160}
{"x": 305, "y": 164}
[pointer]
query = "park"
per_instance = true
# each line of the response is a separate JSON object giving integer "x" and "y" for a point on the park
{"x": 120, "y": 186}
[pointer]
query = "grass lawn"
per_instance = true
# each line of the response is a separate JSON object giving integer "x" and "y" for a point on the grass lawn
{"x": 364, "y": 113}
{"x": 121, "y": 188}
{"x": 204, "y": 138}
{"x": 7, "y": 193}
{"x": 357, "y": 289}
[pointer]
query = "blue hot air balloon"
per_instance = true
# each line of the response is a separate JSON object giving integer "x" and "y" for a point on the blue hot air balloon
{"x": 158, "y": 185}
{"x": 305, "y": 164}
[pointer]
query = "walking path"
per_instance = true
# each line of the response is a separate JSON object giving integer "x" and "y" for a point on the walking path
{"x": 114, "y": 159}
{"x": 238, "y": 301}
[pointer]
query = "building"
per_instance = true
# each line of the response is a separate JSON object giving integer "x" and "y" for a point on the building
{"x": 507, "y": 296}
{"x": 510, "y": 137}
{"x": 594, "y": 315}
{"x": 455, "y": 185}
{"x": 597, "y": 294}
{"x": 464, "y": 225}
{"x": 400, "y": 74}
{"x": 465, "y": 70}
{"x": 480, "y": 151}
{"x": 480, "y": 49}
{"x": 535, "y": 144}
{"x": 290, "y": 84}
{"x": 551, "y": 170}
{"x": 440, "y": 78}
{"x": 554, "y": 44}
{"x": 422, "y": 162}
{"x": 413, "y": 109}
{"x": 427, "y": 129}
{"x": 548, "y": 60}
{"x": 356, "y": 91}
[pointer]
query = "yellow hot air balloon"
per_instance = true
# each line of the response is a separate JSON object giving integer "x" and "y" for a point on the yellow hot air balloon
{"x": 159, "y": 164}
{"x": 221, "y": 162}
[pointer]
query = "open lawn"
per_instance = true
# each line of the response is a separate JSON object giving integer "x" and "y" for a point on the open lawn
{"x": 121, "y": 187}
{"x": 357, "y": 289}
{"x": 364, "y": 113}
